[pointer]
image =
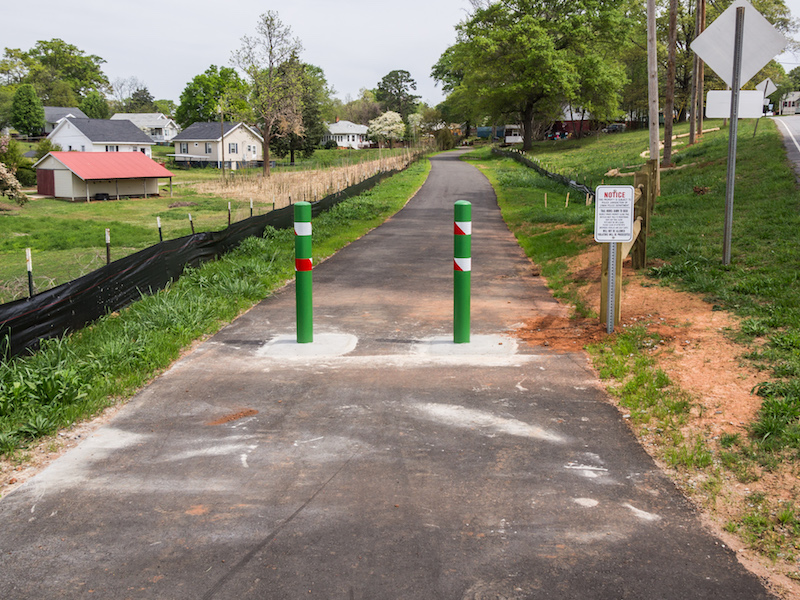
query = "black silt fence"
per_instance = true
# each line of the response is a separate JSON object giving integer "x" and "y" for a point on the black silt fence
{"x": 71, "y": 306}
{"x": 522, "y": 159}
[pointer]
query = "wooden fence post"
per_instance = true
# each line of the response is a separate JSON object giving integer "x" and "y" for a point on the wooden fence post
{"x": 641, "y": 181}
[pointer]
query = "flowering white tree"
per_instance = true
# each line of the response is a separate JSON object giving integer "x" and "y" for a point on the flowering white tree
{"x": 389, "y": 126}
{"x": 9, "y": 186}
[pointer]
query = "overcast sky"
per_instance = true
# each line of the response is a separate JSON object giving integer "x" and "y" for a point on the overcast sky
{"x": 166, "y": 43}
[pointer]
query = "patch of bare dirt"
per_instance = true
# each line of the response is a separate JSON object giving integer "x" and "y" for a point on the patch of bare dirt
{"x": 698, "y": 354}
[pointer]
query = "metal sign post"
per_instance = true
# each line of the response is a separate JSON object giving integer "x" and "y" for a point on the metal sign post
{"x": 613, "y": 223}
{"x": 733, "y": 132}
{"x": 736, "y": 53}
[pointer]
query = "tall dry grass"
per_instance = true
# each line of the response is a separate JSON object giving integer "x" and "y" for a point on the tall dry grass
{"x": 284, "y": 188}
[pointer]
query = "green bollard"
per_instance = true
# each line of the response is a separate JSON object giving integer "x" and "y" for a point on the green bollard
{"x": 302, "y": 267}
{"x": 462, "y": 267}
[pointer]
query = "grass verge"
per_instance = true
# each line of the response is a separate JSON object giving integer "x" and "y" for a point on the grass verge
{"x": 73, "y": 378}
{"x": 685, "y": 249}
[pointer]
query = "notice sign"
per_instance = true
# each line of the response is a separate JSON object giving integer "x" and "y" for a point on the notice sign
{"x": 613, "y": 213}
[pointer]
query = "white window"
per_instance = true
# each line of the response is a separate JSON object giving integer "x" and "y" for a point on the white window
{"x": 208, "y": 147}
{"x": 184, "y": 148}
{"x": 109, "y": 148}
{"x": 233, "y": 148}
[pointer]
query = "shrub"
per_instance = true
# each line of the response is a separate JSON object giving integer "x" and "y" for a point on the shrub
{"x": 26, "y": 175}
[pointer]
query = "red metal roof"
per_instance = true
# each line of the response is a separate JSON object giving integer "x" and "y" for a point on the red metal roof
{"x": 110, "y": 165}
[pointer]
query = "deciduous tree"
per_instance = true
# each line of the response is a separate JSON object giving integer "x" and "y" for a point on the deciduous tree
{"x": 526, "y": 58}
{"x": 199, "y": 101}
{"x": 387, "y": 127}
{"x": 95, "y": 106}
{"x": 316, "y": 94}
{"x": 270, "y": 62}
{"x": 165, "y": 107}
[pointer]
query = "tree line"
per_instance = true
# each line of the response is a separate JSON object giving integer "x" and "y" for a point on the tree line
{"x": 524, "y": 61}
{"x": 267, "y": 86}
{"x": 514, "y": 61}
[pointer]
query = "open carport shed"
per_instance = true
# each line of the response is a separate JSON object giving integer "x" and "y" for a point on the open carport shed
{"x": 99, "y": 175}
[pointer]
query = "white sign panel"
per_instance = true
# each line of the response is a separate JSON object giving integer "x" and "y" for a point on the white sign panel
{"x": 613, "y": 213}
{"x": 761, "y": 43}
{"x": 718, "y": 104}
{"x": 767, "y": 86}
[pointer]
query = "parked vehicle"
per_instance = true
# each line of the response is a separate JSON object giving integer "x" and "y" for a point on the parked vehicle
{"x": 614, "y": 128}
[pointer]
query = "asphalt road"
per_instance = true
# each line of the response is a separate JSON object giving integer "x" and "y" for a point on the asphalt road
{"x": 789, "y": 126}
{"x": 380, "y": 462}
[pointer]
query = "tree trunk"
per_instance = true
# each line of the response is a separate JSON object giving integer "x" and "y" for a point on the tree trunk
{"x": 291, "y": 154}
{"x": 527, "y": 127}
{"x": 265, "y": 146}
{"x": 701, "y": 74}
{"x": 669, "y": 100}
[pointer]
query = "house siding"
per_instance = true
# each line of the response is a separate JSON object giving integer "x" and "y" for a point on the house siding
{"x": 70, "y": 138}
{"x": 241, "y": 137}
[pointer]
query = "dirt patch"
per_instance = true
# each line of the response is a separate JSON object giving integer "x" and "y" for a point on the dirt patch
{"x": 241, "y": 414}
{"x": 180, "y": 204}
{"x": 697, "y": 353}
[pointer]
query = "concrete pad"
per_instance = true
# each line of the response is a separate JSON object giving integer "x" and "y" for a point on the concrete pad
{"x": 325, "y": 345}
{"x": 479, "y": 345}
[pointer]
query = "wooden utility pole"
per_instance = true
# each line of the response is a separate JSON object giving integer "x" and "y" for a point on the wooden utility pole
{"x": 222, "y": 141}
{"x": 701, "y": 71}
{"x": 652, "y": 79}
{"x": 693, "y": 96}
{"x": 669, "y": 100}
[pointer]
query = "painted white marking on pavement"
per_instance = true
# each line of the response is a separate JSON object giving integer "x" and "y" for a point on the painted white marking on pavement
{"x": 643, "y": 515}
{"x": 222, "y": 450}
{"x": 244, "y": 461}
{"x": 298, "y": 442}
{"x": 573, "y": 465}
{"x": 467, "y": 417}
{"x": 586, "y": 502}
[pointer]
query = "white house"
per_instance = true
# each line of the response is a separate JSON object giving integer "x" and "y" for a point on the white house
{"x": 790, "y": 104}
{"x": 157, "y": 126}
{"x": 100, "y": 135}
{"x": 203, "y": 143}
{"x": 346, "y": 134}
{"x": 54, "y": 114}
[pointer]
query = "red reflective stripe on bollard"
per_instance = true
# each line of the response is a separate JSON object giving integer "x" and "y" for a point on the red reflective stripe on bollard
{"x": 302, "y": 264}
{"x": 462, "y": 227}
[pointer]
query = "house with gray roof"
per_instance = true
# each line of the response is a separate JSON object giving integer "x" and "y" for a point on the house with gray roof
{"x": 347, "y": 134}
{"x": 157, "y": 126}
{"x": 100, "y": 135}
{"x": 211, "y": 143}
{"x": 54, "y": 114}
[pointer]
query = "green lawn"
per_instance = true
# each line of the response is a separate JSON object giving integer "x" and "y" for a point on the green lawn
{"x": 72, "y": 378}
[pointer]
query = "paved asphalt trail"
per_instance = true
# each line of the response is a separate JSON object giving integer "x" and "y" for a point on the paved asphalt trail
{"x": 380, "y": 462}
